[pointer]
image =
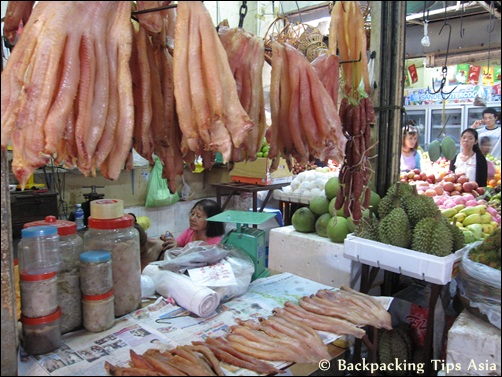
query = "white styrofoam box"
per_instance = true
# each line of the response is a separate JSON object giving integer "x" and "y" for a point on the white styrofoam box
{"x": 473, "y": 347}
{"x": 431, "y": 268}
{"x": 310, "y": 256}
{"x": 290, "y": 197}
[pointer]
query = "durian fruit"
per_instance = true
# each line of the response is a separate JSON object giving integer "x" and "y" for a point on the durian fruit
{"x": 457, "y": 237}
{"x": 367, "y": 229}
{"x": 392, "y": 199}
{"x": 432, "y": 236}
{"x": 394, "y": 229}
{"x": 395, "y": 346}
{"x": 419, "y": 207}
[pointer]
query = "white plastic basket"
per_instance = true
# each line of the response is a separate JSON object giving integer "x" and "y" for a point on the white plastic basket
{"x": 431, "y": 268}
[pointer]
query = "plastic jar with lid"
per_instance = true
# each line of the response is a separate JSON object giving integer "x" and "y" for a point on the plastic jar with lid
{"x": 121, "y": 239}
{"x": 39, "y": 294}
{"x": 42, "y": 334}
{"x": 95, "y": 272}
{"x": 98, "y": 311}
{"x": 39, "y": 250}
{"x": 71, "y": 245}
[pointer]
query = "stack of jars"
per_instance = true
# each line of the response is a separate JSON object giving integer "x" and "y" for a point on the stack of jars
{"x": 70, "y": 247}
{"x": 109, "y": 229}
{"x": 96, "y": 284}
{"x": 39, "y": 261}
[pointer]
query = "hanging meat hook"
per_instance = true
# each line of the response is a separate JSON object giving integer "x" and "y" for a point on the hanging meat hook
{"x": 243, "y": 11}
{"x": 444, "y": 95}
{"x": 462, "y": 29}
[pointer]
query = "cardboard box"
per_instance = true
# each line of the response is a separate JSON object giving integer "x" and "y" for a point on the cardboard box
{"x": 261, "y": 181}
{"x": 431, "y": 268}
{"x": 258, "y": 172}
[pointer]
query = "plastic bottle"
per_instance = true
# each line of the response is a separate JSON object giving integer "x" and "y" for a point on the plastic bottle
{"x": 79, "y": 217}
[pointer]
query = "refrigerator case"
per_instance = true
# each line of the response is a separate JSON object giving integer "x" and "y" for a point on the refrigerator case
{"x": 458, "y": 117}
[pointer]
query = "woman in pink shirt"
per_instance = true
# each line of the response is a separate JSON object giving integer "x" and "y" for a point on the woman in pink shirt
{"x": 200, "y": 229}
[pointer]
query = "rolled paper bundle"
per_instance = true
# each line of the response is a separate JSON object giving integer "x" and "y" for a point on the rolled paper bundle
{"x": 199, "y": 300}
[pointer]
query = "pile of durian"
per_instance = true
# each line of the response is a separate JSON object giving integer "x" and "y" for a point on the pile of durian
{"x": 411, "y": 221}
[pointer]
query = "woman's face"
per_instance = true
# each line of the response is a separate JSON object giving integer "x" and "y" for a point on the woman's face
{"x": 198, "y": 219}
{"x": 467, "y": 141}
{"x": 410, "y": 140}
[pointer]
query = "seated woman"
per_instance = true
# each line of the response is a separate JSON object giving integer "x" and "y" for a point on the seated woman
{"x": 200, "y": 229}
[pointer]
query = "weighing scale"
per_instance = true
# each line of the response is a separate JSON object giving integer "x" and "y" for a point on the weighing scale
{"x": 250, "y": 240}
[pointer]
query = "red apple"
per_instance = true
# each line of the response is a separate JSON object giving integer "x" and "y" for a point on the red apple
{"x": 431, "y": 178}
{"x": 457, "y": 187}
{"x": 474, "y": 193}
{"x": 467, "y": 187}
{"x": 423, "y": 176}
{"x": 474, "y": 185}
{"x": 416, "y": 177}
{"x": 480, "y": 190}
{"x": 462, "y": 179}
{"x": 416, "y": 171}
{"x": 439, "y": 189}
{"x": 449, "y": 178}
{"x": 430, "y": 192}
{"x": 448, "y": 186}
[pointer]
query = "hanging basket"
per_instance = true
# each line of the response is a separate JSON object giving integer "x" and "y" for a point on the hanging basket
{"x": 305, "y": 38}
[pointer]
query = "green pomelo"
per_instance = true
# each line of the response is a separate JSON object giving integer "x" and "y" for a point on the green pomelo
{"x": 434, "y": 150}
{"x": 374, "y": 201}
{"x": 448, "y": 148}
{"x": 319, "y": 205}
{"x": 321, "y": 225}
{"x": 350, "y": 224}
{"x": 337, "y": 229}
{"x": 331, "y": 207}
{"x": 331, "y": 188}
{"x": 303, "y": 220}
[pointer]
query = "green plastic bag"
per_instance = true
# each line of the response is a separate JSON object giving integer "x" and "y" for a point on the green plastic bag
{"x": 157, "y": 192}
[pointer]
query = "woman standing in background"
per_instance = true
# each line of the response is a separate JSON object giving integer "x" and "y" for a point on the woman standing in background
{"x": 470, "y": 160}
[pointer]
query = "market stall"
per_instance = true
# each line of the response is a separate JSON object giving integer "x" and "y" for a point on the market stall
{"x": 166, "y": 89}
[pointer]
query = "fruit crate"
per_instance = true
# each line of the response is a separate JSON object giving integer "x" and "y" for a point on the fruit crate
{"x": 427, "y": 267}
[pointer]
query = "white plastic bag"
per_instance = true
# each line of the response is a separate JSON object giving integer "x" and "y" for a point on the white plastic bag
{"x": 199, "y": 254}
{"x": 480, "y": 285}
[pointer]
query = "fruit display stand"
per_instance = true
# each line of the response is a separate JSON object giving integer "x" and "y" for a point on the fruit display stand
{"x": 233, "y": 188}
{"x": 310, "y": 256}
{"x": 438, "y": 271}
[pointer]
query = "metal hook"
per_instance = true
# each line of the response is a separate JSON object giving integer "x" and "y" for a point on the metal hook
{"x": 444, "y": 95}
{"x": 491, "y": 26}
{"x": 353, "y": 61}
{"x": 242, "y": 13}
{"x": 462, "y": 29}
{"x": 449, "y": 38}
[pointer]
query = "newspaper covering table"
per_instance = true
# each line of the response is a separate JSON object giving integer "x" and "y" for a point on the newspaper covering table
{"x": 84, "y": 353}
